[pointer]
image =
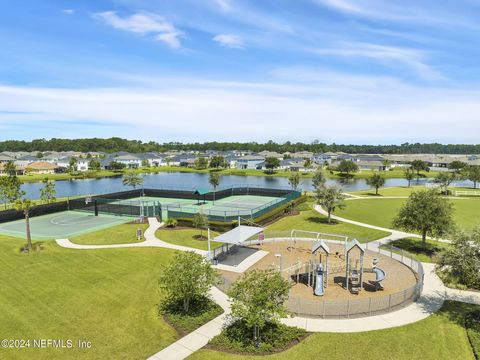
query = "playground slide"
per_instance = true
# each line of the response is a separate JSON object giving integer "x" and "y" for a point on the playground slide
{"x": 380, "y": 275}
{"x": 319, "y": 290}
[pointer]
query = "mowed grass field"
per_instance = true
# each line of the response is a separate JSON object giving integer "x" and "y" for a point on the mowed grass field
{"x": 187, "y": 237}
{"x": 120, "y": 234}
{"x": 380, "y": 212}
{"x": 108, "y": 297}
{"x": 441, "y": 336}
{"x": 310, "y": 220}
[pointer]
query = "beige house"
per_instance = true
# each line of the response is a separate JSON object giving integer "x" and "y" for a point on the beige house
{"x": 41, "y": 167}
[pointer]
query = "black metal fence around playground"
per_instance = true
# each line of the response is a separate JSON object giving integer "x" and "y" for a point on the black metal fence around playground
{"x": 350, "y": 308}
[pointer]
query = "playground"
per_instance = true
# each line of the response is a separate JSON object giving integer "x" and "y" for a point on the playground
{"x": 333, "y": 275}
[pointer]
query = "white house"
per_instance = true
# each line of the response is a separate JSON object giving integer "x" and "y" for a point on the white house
{"x": 249, "y": 161}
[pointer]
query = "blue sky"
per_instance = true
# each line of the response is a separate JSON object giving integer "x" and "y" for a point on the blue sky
{"x": 345, "y": 71}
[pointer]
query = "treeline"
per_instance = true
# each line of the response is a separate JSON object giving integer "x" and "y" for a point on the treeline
{"x": 115, "y": 144}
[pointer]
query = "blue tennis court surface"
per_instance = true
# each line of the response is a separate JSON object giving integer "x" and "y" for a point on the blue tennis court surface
{"x": 61, "y": 225}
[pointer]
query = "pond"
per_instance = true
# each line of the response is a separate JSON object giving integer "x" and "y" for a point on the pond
{"x": 184, "y": 180}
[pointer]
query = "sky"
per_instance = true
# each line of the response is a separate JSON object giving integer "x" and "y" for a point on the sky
{"x": 343, "y": 71}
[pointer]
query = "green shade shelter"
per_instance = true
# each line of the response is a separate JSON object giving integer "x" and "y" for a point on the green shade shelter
{"x": 201, "y": 192}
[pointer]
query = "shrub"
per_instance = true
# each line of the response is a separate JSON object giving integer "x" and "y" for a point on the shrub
{"x": 171, "y": 223}
{"x": 472, "y": 323}
{"x": 275, "y": 337}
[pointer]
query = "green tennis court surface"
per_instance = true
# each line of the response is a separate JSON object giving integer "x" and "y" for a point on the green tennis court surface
{"x": 61, "y": 225}
{"x": 239, "y": 202}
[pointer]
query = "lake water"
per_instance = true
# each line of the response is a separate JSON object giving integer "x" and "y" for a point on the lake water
{"x": 179, "y": 180}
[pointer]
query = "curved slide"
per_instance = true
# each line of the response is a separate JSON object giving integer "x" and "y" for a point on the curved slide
{"x": 380, "y": 275}
{"x": 319, "y": 288}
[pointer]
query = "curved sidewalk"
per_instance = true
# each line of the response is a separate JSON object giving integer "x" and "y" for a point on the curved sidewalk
{"x": 150, "y": 241}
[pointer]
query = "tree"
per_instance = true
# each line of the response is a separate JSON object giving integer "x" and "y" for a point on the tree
{"x": 131, "y": 178}
{"x": 47, "y": 193}
{"x": 10, "y": 168}
{"x": 258, "y": 298}
{"x": 427, "y": 213}
{"x": 318, "y": 179}
{"x": 39, "y": 155}
{"x": 346, "y": 167}
{"x": 218, "y": 161}
{"x": 473, "y": 174}
{"x": 386, "y": 163}
{"x": 461, "y": 260}
{"x": 25, "y": 205}
{"x": 115, "y": 165}
{"x": 10, "y": 189}
{"x": 457, "y": 166}
{"x": 419, "y": 165}
{"x": 308, "y": 164}
{"x": 201, "y": 163}
{"x": 94, "y": 165}
{"x": 214, "y": 180}
{"x": 271, "y": 163}
{"x": 376, "y": 181}
{"x": 187, "y": 278}
{"x": 294, "y": 180}
{"x": 408, "y": 174}
{"x": 444, "y": 180}
{"x": 145, "y": 163}
{"x": 331, "y": 198}
{"x": 72, "y": 165}
{"x": 200, "y": 221}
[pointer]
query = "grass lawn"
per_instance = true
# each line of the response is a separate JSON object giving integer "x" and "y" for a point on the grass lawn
{"x": 187, "y": 237}
{"x": 415, "y": 247}
{"x": 120, "y": 234}
{"x": 311, "y": 220}
{"x": 389, "y": 191}
{"x": 440, "y": 336}
{"x": 109, "y": 297}
{"x": 380, "y": 211}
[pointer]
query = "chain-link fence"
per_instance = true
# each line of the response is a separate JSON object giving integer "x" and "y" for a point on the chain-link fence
{"x": 347, "y": 308}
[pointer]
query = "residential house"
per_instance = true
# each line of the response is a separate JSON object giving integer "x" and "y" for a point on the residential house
{"x": 249, "y": 161}
{"x": 41, "y": 167}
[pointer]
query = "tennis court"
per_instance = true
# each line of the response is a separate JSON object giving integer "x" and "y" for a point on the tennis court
{"x": 236, "y": 205}
{"x": 62, "y": 225}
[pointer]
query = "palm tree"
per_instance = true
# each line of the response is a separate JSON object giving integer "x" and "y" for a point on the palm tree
{"x": 214, "y": 180}
{"x": 25, "y": 205}
{"x": 131, "y": 178}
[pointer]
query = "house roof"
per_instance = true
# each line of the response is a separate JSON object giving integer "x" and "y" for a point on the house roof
{"x": 320, "y": 245}
{"x": 42, "y": 165}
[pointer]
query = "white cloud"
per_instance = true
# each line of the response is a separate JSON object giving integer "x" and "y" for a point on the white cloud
{"x": 144, "y": 24}
{"x": 231, "y": 41}
{"x": 388, "y": 55}
{"x": 297, "y": 104}
{"x": 68, "y": 11}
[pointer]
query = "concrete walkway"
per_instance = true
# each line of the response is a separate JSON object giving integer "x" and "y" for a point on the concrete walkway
{"x": 150, "y": 241}
{"x": 395, "y": 234}
{"x": 197, "y": 339}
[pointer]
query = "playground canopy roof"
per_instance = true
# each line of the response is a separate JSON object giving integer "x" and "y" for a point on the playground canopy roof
{"x": 354, "y": 243}
{"x": 320, "y": 245}
{"x": 239, "y": 234}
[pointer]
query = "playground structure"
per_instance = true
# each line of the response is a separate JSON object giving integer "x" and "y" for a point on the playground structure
{"x": 318, "y": 270}
{"x": 317, "y": 266}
